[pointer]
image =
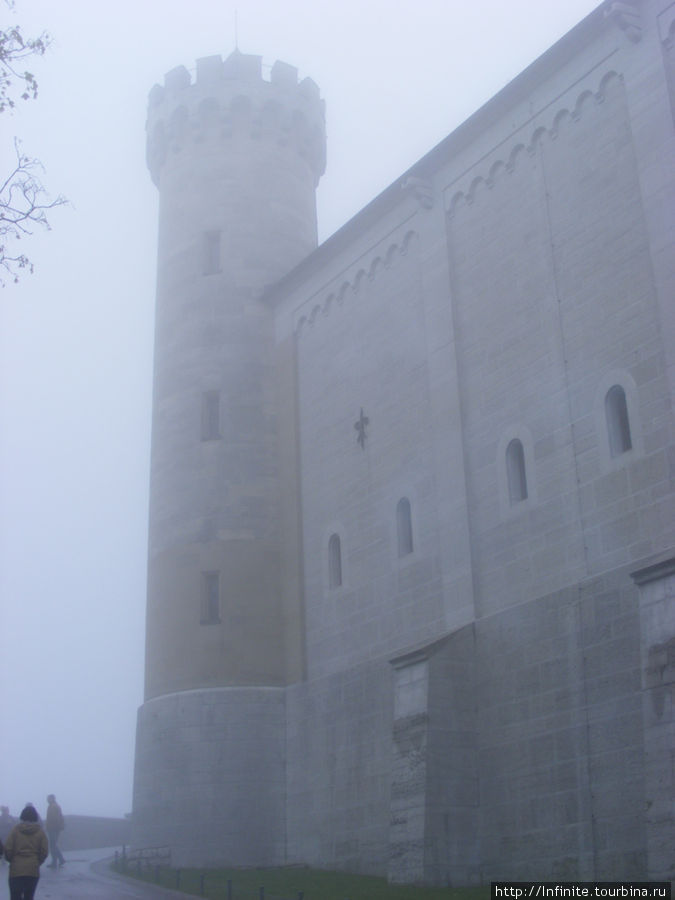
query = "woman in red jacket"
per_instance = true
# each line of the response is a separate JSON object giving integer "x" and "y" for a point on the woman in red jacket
{"x": 26, "y": 848}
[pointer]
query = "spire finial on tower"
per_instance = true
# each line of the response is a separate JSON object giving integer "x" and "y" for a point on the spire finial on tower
{"x": 236, "y": 29}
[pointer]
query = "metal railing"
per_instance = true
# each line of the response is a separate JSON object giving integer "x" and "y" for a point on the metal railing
{"x": 135, "y": 867}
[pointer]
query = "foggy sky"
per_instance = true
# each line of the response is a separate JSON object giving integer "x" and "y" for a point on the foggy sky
{"x": 76, "y": 337}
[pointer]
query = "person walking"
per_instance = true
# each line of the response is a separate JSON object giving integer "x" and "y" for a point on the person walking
{"x": 54, "y": 825}
{"x": 7, "y": 822}
{"x": 26, "y": 849}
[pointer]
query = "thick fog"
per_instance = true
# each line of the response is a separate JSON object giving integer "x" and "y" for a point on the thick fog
{"x": 76, "y": 337}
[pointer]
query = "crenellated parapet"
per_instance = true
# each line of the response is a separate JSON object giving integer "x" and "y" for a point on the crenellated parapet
{"x": 230, "y": 99}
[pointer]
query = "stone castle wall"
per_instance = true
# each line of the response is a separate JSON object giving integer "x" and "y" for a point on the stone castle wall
{"x": 500, "y": 298}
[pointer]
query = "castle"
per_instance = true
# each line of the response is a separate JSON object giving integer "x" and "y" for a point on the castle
{"x": 411, "y": 571}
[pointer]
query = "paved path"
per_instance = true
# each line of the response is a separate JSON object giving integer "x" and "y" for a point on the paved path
{"x": 82, "y": 879}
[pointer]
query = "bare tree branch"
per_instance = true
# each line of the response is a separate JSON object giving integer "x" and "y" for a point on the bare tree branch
{"x": 23, "y": 204}
{"x": 14, "y": 49}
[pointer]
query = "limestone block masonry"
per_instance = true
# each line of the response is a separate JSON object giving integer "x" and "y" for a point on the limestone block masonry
{"x": 210, "y": 776}
{"x": 412, "y": 511}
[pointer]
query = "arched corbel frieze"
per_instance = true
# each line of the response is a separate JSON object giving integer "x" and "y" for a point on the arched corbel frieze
{"x": 352, "y": 286}
{"x": 456, "y": 198}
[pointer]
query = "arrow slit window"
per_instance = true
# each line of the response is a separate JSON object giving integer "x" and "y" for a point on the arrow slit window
{"x": 404, "y": 527}
{"x": 334, "y": 562}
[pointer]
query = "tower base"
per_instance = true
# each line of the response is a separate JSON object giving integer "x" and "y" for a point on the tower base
{"x": 209, "y": 779}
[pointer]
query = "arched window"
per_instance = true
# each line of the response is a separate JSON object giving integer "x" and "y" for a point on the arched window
{"x": 404, "y": 527}
{"x": 334, "y": 562}
{"x": 515, "y": 471}
{"x": 618, "y": 426}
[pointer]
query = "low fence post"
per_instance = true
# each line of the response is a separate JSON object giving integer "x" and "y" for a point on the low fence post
{"x": 201, "y": 885}
{"x": 229, "y": 889}
{"x": 177, "y": 878}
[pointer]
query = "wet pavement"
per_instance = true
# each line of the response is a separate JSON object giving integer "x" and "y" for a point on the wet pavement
{"x": 86, "y": 876}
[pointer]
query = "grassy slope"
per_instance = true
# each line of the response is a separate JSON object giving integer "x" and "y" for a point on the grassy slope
{"x": 286, "y": 883}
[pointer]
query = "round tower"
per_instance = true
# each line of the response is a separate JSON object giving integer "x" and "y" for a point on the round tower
{"x": 236, "y": 159}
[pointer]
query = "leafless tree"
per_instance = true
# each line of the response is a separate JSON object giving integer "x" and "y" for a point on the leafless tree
{"x": 24, "y": 202}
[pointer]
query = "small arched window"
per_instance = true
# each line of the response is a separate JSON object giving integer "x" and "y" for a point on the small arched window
{"x": 404, "y": 527}
{"x": 515, "y": 471}
{"x": 334, "y": 562}
{"x": 618, "y": 426}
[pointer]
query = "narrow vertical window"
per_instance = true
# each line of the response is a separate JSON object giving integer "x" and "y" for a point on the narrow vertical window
{"x": 334, "y": 562}
{"x": 618, "y": 426}
{"x": 210, "y": 611}
{"x": 515, "y": 472}
{"x": 404, "y": 527}
{"x": 210, "y": 415}
{"x": 211, "y": 252}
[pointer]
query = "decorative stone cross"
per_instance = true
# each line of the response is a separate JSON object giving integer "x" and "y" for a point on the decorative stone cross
{"x": 360, "y": 426}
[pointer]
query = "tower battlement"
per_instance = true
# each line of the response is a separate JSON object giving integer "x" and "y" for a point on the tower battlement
{"x": 229, "y": 98}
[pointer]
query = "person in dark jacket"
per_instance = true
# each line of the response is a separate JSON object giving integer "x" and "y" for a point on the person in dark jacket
{"x": 26, "y": 848}
{"x": 54, "y": 825}
{"x": 7, "y": 822}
